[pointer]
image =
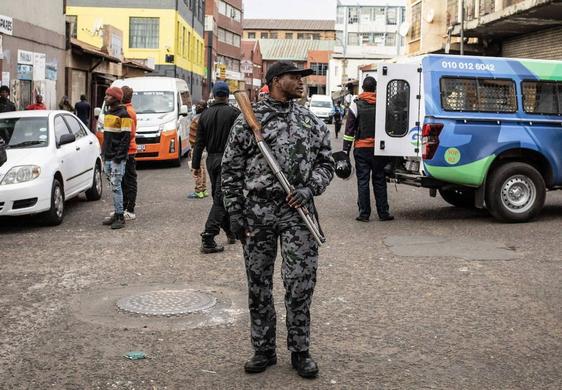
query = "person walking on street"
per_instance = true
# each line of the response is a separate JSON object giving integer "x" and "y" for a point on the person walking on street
{"x": 360, "y": 133}
{"x": 65, "y": 105}
{"x": 212, "y": 134}
{"x": 5, "y": 104}
{"x": 38, "y": 105}
{"x": 83, "y": 110}
{"x": 200, "y": 179}
{"x": 338, "y": 118}
{"x": 117, "y": 136}
{"x": 261, "y": 213}
{"x": 130, "y": 177}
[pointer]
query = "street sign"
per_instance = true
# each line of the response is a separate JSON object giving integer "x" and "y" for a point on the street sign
{"x": 246, "y": 66}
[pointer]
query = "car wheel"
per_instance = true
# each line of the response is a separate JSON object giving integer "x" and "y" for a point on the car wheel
{"x": 177, "y": 162}
{"x": 55, "y": 215}
{"x": 515, "y": 192}
{"x": 458, "y": 197}
{"x": 95, "y": 192}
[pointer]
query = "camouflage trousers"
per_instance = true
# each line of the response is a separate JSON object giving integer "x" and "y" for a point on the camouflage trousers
{"x": 270, "y": 222}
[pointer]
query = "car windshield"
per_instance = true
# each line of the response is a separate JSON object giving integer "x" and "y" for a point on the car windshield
{"x": 321, "y": 103}
{"x": 153, "y": 102}
{"x": 25, "y": 132}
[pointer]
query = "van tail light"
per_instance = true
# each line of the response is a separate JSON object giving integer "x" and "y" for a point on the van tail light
{"x": 430, "y": 139}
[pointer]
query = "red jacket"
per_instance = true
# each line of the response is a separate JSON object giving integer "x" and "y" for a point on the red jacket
{"x": 36, "y": 106}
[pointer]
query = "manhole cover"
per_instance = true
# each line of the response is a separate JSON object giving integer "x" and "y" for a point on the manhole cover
{"x": 167, "y": 302}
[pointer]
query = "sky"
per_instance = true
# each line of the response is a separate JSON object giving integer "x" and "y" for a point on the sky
{"x": 290, "y": 9}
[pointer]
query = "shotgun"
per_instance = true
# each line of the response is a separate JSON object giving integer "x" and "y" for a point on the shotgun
{"x": 251, "y": 120}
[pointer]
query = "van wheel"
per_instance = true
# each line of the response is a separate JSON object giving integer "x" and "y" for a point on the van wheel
{"x": 458, "y": 197}
{"x": 55, "y": 215}
{"x": 515, "y": 192}
{"x": 95, "y": 192}
{"x": 177, "y": 162}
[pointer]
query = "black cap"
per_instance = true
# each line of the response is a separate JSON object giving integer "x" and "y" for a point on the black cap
{"x": 283, "y": 67}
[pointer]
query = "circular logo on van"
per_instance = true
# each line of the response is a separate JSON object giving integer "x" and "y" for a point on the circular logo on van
{"x": 452, "y": 156}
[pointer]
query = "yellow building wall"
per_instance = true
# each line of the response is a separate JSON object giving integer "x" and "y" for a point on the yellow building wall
{"x": 172, "y": 26}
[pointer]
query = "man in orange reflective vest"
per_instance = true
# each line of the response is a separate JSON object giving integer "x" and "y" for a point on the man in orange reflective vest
{"x": 360, "y": 132}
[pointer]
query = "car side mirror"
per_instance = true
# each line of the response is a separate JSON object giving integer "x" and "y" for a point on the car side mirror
{"x": 97, "y": 112}
{"x": 183, "y": 110}
{"x": 66, "y": 139}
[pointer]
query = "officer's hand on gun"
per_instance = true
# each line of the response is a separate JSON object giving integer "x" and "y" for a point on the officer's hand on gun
{"x": 299, "y": 197}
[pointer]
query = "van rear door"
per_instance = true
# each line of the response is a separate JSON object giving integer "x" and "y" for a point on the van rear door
{"x": 397, "y": 131}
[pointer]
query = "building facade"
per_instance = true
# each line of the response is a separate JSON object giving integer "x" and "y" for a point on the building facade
{"x": 302, "y": 53}
{"x": 367, "y": 31}
{"x": 509, "y": 28}
{"x": 32, "y": 50}
{"x": 223, "y": 41}
{"x": 251, "y": 67}
{"x": 289, "y": 29}
{"x": 166, "y": 33}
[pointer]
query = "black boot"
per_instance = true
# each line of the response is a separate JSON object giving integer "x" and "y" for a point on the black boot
{"x": 118, "y": 222}
{"x": 208, "y": 244}
{"x": 303, "y": 363}
{"x": 260, "y": 361}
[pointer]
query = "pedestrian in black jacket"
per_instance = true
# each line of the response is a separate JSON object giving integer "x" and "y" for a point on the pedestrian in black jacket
{"x": 5, "y": 104}
{"x": 83, "y": 110}
{"x": 212, "y": 134}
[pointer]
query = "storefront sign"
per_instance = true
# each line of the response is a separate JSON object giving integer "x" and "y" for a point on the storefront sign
{"x": 6, "y": 78}
{"x": 25, "y": 57}
{"x": 51, "y": 72}
{"x": 6, "y": 25}
{"x": 39, "y": 60}
{"x": 25, "y": 72}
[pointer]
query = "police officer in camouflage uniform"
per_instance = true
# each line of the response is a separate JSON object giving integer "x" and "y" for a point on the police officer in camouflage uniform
{"x": 261, "y": 213}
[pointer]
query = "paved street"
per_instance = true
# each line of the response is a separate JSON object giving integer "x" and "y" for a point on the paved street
{"x": 441, "y": 298}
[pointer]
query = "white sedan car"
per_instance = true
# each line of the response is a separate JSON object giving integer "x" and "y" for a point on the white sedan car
{"x": 52, "y": 157}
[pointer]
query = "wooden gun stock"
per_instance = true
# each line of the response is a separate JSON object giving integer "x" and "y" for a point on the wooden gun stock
{"x": 246, "y": 109}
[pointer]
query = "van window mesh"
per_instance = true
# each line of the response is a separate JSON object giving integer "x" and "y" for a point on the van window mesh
{"x": 541, "y": 97}
{"x": 397, "y": 108}
{"x": 471, "y": 94}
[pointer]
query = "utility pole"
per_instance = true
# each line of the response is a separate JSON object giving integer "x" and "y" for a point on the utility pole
{"x": 462, "y": 27}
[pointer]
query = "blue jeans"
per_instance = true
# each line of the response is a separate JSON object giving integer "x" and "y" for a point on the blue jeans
{"x": 114, "y": 172}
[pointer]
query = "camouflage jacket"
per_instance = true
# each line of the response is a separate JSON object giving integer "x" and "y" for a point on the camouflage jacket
{"x": 299, "y": 141}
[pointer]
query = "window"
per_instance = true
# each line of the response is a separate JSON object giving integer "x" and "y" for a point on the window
{"x": 319, "y": 69}
{"x": 185, "y": 98}
{"x": 288, "y": 35}
{"x": 60, "y": 128}
{"x": 471, "y": 94}
{"x": 273, "y": 35}
{"x": 353, "y": 15}
{"x": 353, "y": 39}
{"x": 222, "y": 7}
{"x": 391, "y": 15}
{"x": 264, "y": 35}
{"x": 316, "y": 36}
{"x": 75, "y": 127}
{"x": 251, "y": 35}
{"x": 144, "y": 33}
{"x": 340, "y": 17}
{"x": 390, "y": 39}
{"x": 229, "y": 11}
{"x": 415, "y": 31}
{"x": 228, "y": 37}
{"x": 542, "y": 97}
{"x": 73, "y": 21}
{"x": 397, "y": 108}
